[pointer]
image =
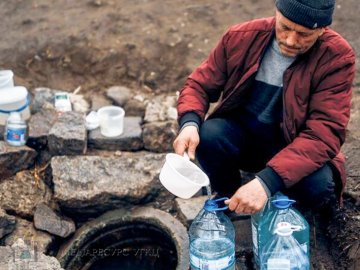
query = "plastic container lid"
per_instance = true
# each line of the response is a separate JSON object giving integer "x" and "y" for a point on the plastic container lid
{"x": 13, "y": 94}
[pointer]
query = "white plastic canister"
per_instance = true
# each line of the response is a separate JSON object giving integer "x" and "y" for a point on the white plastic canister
{"x": 14, "y": 99}
{"x": 6, "y": 79}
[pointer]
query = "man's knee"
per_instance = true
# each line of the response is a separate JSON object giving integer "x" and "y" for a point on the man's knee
{"x": 316, "y": 189}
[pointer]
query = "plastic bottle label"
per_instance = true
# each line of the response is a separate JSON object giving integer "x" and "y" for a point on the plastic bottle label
{"x": 16, "y": 136}
{"x": 254, "y": 239}
{"x": 205, "y": 264}
{"x": 278, "y": 264}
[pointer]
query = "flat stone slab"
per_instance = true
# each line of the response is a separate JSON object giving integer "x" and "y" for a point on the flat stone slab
{"x": 14, "y": 159}
{"x": 129, "y": 140}
{"x": 68, "y": 135}
{"x": 46, "y": 219}
{"x": 21, "y": 193}
{"x": 22, "y": 256}
{"x": 93, "y": 184}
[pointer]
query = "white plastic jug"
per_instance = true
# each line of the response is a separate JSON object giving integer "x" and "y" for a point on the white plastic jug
{"x": 6, "y": 79}
{"x": 14, "y": 99}
{"x": 182, "y": 177}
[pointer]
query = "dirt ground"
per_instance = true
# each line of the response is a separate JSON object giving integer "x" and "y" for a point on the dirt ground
{"x": 148, "y": 45}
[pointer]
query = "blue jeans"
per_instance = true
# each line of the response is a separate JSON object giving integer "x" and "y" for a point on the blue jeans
{"x": 227, "y": 147}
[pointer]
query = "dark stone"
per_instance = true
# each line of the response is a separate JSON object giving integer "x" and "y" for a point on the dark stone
{"x": 46, "y": 219}
{"x": 14, "y": 159}
{"x": 7, "y": 223}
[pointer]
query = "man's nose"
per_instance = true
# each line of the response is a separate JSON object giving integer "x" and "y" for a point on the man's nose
{"x": 291, "y": 39}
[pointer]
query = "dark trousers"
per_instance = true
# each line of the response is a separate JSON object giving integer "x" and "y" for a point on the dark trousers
{"x": 227, "y": 147}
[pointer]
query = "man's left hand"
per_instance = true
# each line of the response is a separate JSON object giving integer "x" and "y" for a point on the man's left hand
{"x": 249, "y": 198}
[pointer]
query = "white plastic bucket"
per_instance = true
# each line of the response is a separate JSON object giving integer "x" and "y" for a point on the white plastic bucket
{"x": 6, "y": 79}
{"x": 111, "y": 120}
{"x": 182, "y": 177}
{"x": 14, "y": 99}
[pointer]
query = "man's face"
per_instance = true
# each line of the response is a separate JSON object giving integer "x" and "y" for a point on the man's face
{"x": 294, "y": 39}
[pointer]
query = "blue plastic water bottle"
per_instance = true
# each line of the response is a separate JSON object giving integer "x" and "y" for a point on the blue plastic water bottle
{"x": 278, "y": 210}
{"x": 283, "y": 252}
{"x": 212, "y": 239}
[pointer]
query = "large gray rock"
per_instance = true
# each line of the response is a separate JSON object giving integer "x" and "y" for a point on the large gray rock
{"x": 25, "y": 230}
{"x": 161, "y": 108}
{"x": 46, "y": 219}
{"x": 14, "y": 159}
{"x": 39, "y": 127}
{"x": 130, "y": 140}
{"x": 159, "y": 136}
{"x": 22, "y": 256}
{"x": 21, "y": 193}
{"x": 7, "y": 223}
{"x": 68, "y": 135}
{"x": 98, "y": 101}
{"x": 119, "y": 94}
{"x": 93, "y": 184}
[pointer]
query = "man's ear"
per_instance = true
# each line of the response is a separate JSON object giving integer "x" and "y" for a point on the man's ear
{"x": 322, "y": 30}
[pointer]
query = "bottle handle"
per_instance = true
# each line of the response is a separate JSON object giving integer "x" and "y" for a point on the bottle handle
{"x": 222, "y": 199}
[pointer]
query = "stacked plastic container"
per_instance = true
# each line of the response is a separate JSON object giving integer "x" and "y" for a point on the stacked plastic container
{"x": 12, "y": 98}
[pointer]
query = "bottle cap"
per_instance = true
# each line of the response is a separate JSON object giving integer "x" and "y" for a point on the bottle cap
{"x": 282, "y": 202}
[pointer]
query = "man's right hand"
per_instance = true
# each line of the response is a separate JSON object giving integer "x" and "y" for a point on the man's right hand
{"x": 188, "y": 139}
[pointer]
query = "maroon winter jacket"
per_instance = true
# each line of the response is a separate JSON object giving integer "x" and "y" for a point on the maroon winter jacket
{"x": 316, "y": 94}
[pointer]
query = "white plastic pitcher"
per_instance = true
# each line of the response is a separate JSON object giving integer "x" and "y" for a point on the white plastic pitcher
{"x": 6, "y": 79}
{"x": 111, "y": 120}
{"x": 182, "y": 177}
{"x": 14, "y": 99}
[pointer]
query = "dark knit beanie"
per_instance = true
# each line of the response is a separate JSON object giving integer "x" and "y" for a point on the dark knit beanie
{"x": 309, "y": 13}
